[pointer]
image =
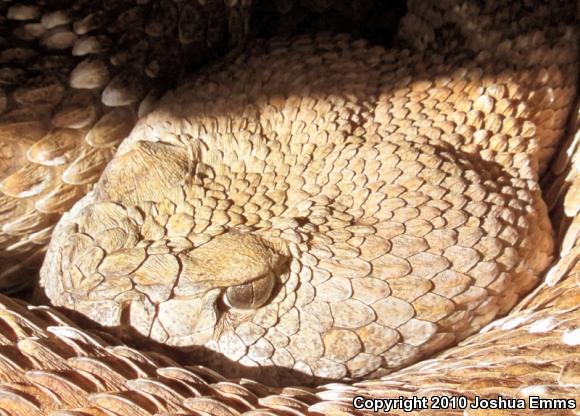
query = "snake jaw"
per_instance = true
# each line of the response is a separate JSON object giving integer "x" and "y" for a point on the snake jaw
{"x": 187, "y": 322}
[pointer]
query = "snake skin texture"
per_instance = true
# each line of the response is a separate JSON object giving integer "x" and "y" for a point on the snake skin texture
{"x": 74, "y": 79}
{"x": 75, "y": 76}
{"x": 49, "y": 365}
{"x": 266, "y": 185}
{"x": 332, "y": 217}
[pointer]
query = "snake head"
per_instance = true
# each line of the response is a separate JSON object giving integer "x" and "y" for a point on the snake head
{"x": 233, "y": 275}
{"x": 121, "y": 270}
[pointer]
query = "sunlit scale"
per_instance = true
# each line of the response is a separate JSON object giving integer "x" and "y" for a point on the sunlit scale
{"x": 50, "y": 364}
{"x": 72, "y": 83}
{"x": 332, "y": 217}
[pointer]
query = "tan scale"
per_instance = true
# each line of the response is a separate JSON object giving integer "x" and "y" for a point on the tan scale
{"x": 411, "y": 175}
{"x": 50, "y": 366}
{"x": 72, "y": 84}
{"x": 94, "y": 67}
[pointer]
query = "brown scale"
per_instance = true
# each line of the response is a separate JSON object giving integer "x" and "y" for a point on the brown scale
{"x": 533, "y": 351}
{"x": 73, "y": 77}
{"x": 119, "y": 55}
{"x": 377, "y": 206}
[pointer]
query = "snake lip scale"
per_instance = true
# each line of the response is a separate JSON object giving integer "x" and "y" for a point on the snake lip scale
{"x": 305, "y": 210}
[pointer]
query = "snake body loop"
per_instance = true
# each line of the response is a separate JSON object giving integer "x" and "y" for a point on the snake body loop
{"x": 367, "y": 207}
{"x": 311, "y": 209}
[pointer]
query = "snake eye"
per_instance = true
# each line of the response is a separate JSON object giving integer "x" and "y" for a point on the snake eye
{"x": 250, "y": 295}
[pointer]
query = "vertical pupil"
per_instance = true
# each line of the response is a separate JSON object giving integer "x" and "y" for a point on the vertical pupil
{"x": 250, "y": 295}
{"x": 241, "y": 296}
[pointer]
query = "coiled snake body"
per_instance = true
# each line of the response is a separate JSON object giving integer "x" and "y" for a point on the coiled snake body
{"x": 317, "y": 209}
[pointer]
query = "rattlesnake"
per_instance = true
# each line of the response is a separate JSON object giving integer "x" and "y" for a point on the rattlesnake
{"x": 395, "y": 192}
